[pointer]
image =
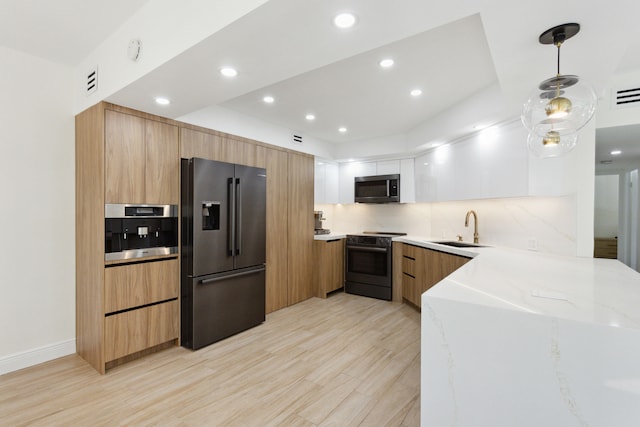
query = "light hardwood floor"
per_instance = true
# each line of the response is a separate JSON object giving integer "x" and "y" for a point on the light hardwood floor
{"x": 343, "y": 361}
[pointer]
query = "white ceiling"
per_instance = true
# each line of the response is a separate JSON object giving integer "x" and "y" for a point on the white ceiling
{"x": 62, "y": 31}
{"x": 371, "y": 101}
{"x": 289, "y": 49}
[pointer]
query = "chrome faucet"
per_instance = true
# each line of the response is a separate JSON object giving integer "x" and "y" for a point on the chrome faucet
{"x": 475, "y": 224}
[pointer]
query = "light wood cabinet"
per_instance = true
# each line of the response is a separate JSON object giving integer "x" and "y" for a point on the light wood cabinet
{"x": 300, "y": 230}
{"x": 412, "y": 273}
{"x": 328, "y": 266}
{"x": 162, "y": 167}
{"x": 605, "y": 248}
{"x": 122, "y": 156}
{"x": 422, "y": 268}
{"x": 134, "y": 285}
{"x": 136, "y": 330}
{"x": 140, "y": 160}
{"x": 277, "y": 294}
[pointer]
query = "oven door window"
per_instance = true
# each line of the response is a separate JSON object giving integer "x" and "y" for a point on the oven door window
{"x": 369, "y": 261}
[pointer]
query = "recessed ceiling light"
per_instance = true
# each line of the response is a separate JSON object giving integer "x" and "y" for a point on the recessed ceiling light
{"x": 268, "y": 99}
{"x": 386, "y": 63}
{"x": 344, "y": 20}
{"x": 342, "y": 129}
{"x": 616, "y": 152}
{"x": 228, "y": 72}
{"x": 310, "y": 117}
{"x": 416, "y": 92}
{"x": 162, "y": 100}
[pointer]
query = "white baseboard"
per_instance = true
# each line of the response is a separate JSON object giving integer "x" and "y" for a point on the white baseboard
{"x": 24, "y": 359}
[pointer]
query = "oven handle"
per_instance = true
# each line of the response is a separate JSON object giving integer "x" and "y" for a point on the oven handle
{"x": 369, "y": 249}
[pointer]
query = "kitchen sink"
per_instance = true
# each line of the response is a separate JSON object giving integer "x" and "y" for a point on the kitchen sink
{"x": 458, "y": 244}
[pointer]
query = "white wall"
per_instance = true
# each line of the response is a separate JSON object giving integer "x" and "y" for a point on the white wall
{"x": 607, "y": 115}
{"x": 37, "y": 257}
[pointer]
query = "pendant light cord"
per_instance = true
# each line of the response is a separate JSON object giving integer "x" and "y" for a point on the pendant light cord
{"x": 558, "y": 45}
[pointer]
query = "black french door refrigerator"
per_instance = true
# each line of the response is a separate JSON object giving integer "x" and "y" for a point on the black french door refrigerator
{"x": 223, "y": 248}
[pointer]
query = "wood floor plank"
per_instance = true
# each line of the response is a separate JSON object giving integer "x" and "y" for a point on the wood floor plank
{"x": 341, "y": 361}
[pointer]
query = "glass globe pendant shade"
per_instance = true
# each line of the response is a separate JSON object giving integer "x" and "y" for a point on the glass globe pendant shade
{"x": 551, "y": 144}
{"x": 563, "y": 104}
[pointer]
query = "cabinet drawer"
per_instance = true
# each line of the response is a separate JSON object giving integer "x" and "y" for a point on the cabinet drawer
{"x": 409, "y": 266}
{"x": 411, "y": 251}
{"x": 136, "y": 330}
{"x": 411, "y": 289}
{"x": 134, "y": 285}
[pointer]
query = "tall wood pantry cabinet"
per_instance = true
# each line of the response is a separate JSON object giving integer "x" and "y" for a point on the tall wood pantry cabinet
{"x": 123, "y": 308}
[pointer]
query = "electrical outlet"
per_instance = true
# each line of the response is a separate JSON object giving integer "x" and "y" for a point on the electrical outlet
{"x": 532, "y": 244}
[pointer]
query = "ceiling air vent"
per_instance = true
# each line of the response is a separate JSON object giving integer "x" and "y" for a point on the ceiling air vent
{"x": 297, "y": 138}
{"x": 92, "y": 80}
{"x": 627, "y": 98}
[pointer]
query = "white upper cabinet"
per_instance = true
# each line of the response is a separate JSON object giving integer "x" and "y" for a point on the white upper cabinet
{"x": 407, "y": 181}
{"x": 348, "y": 171}
{"x": 388, "y": 167}
{"x": 491, "y": 164}
{"x": 326, "y": 178}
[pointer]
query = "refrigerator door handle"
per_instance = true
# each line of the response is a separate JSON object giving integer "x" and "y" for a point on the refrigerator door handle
{"x": 231, "y": 276}
{"x": 238, "y": 217}
{"x": 231, "y": 213}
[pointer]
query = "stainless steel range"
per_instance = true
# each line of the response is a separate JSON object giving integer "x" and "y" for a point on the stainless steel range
{"x": 368, "y": 262}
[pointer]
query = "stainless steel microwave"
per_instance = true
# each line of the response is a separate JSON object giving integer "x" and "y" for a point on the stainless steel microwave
{"x": 377, "y": 189}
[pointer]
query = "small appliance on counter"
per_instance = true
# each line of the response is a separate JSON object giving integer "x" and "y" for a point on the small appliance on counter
{"x": 317, "y": 215}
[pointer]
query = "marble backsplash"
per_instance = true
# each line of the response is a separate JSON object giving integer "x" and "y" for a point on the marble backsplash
{"x": 545, "y": 224}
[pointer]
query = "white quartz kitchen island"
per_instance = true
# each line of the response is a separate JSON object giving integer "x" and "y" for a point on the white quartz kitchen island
{"x": 516, "y": 338}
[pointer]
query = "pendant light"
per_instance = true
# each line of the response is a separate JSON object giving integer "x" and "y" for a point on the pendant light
{"x": 560, "y": 106}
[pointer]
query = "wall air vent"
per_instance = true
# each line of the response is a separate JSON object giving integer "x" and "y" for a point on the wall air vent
{"x": 92, "y": 80}
{"x": 627, "y": 98}
{"x": 297, "y": 138}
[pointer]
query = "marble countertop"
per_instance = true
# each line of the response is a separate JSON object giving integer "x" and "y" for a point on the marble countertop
{"x": 331, "y": 236}
{"x": 598, "y": 291}
{"x": 553, "y": 337}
